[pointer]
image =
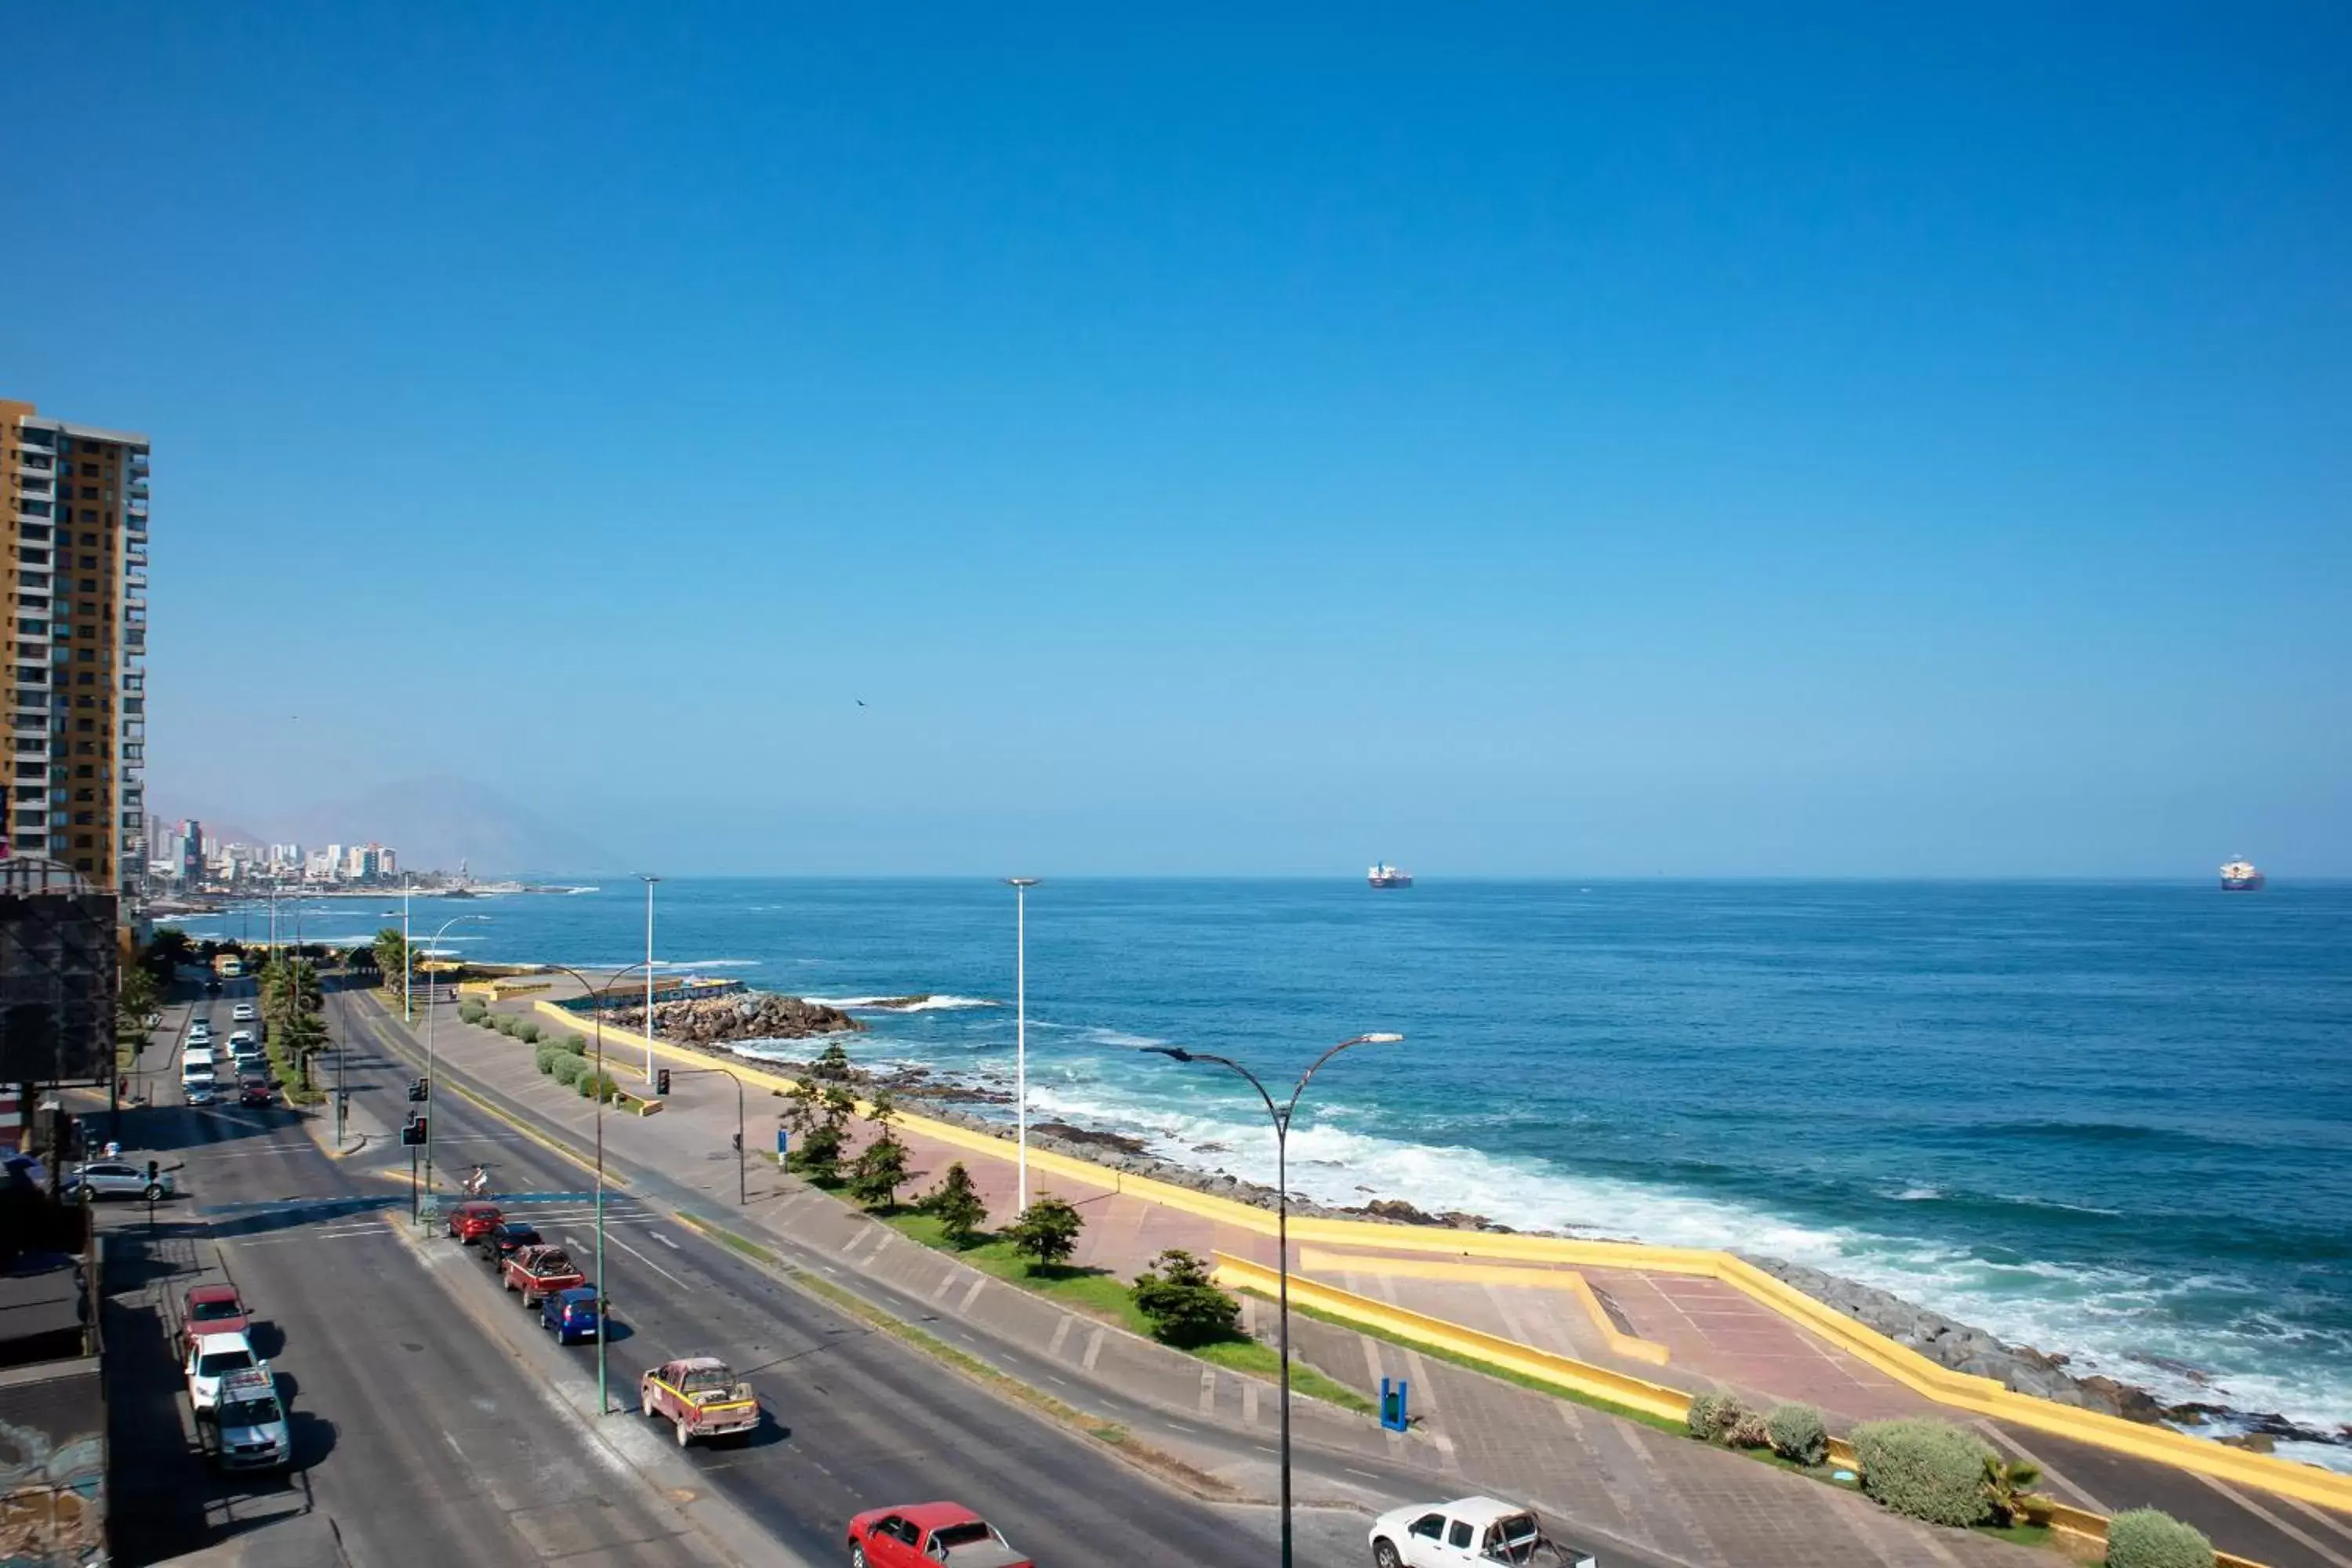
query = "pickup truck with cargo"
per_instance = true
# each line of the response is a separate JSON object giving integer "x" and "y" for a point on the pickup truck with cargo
{"x": 540, "y": 1272}
{"x": 699, "y": 1397}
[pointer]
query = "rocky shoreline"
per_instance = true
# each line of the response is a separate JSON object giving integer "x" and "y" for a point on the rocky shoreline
{"x": 1956, "y": 1345}
{"x": 747, "y": 1015}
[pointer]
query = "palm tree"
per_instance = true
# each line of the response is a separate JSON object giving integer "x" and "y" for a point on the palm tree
{"x": 393, "y": 955}
{"x": 2008, "y": 1488}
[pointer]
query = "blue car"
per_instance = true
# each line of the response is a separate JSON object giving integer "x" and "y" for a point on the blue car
{"x": 570, "y": 1313}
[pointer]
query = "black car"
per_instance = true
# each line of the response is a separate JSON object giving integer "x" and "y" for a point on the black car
{"x": 504, "y": 1238}
{"x": 253, "y": 1088}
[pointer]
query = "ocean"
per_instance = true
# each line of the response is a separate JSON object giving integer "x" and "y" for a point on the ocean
{"x": 2113, "y": 1121}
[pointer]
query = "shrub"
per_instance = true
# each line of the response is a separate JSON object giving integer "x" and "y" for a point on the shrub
{"x": 504, "y": 1024}
{"x": 1798, "y": 1433}
{"x": 1712, "y": 1416}
{"x": 956, "y": 1204}
{"x": 1047, "y": 1231}
{"x": 2146, "y": 1538}
{"x": 566, "y": 1070}
{"x": 471, "y": 1013}
{"x": 528, "y": 1033}
{"x": 1749, "y": 1429}
{"x": 543, "y": 1059}
{"x": 1182, "y": 1303}
{"x": 1927, "y": 1468}
{"x": 576, "y": 1044}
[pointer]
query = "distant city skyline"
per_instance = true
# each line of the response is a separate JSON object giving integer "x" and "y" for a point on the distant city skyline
{"x": 1849, "y": 442}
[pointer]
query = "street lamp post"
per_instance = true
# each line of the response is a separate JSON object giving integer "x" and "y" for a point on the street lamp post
{"x": 408, "y": 969}
{"x": 603, "y": 1306}
{"x": 1281, "y": 1115}
{"x": 408, "y": 963}
{"x": 649, "y": 880}
{"x": 743, "y": 1182}
{"x": 1021, "y": 886}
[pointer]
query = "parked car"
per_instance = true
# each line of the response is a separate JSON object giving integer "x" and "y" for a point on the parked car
{"x": 212, "y": 1358}
{"x": 503, "y": 1240}
{"x": 699, "y": 1397}
{"x": 471, "y": 1220}
{"x": 245, "y": 1428}
{"x": 1469, "y": 1530}
{"x": 926, "y": 1535}
{"x": 570, "y": 1313}
{"x": 208, "y": 1309}
{"x": 540, "y": 1272}
{"x": 253, "y": 1088}
{"x": 114, "y": 1179}
{"x": 241, "y": 1013}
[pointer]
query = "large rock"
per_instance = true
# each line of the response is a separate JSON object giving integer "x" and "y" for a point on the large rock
{"x": 750, "y": 1015}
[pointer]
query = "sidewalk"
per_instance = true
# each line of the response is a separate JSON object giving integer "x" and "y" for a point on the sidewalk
{"x": 1599, "y": 1473}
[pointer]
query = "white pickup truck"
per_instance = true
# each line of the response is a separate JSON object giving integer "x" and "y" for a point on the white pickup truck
{"x": 1467, "y": 1531}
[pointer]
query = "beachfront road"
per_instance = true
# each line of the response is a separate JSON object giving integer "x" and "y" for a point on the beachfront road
{"x": 857, "y": 1420}
{"x": 416, "y": 1440}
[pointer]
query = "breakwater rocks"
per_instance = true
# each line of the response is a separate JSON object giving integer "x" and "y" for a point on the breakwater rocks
{"x": 749, "y": 1016}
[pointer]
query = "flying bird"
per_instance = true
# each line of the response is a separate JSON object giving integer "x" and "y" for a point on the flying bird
{"x": 859, "y": 701}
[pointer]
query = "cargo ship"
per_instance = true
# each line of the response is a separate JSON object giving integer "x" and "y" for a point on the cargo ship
{"x": 1387, "y": 876}
{"x": 2240, "y": 876}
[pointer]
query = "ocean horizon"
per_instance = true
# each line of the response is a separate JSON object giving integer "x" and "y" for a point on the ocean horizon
{"x": 2108, "y": 1118}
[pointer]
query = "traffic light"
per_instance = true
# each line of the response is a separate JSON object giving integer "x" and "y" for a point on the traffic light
{"x": 413, "y": 1132}
{"x": 416, "y": 1088}
{"x": 661, "y": 1081}
{"x": 153, "y": 1169}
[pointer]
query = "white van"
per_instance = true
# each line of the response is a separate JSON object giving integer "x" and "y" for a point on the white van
{"x": 196, "y": 1058}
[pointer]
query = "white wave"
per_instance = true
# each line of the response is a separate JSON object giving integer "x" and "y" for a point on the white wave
{"x": 2106, "y": 1319}
{"x": 1918, "y": 1194}
{"x": 575, "y": 891}
{"x": 1126, "y": 1041}
{"x": 900, "y": 1004}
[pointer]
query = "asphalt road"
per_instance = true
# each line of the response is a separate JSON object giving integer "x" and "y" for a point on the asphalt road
{"x": 419, "y": 1438}
{"x": 857, "y": 1419}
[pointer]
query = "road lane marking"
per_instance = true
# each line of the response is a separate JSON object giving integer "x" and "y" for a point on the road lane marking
{"x": 663, "y": 1240}
{"x": 647, "y": 1261}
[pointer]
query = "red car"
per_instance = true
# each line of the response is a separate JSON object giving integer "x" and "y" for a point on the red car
{"x": 210, "y": 1310}
{"x": 473, "y": 1219}
{"x": 926, "y": 1535}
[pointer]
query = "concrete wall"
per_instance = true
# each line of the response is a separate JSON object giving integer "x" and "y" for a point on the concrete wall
{"x": 52, "y": 1464}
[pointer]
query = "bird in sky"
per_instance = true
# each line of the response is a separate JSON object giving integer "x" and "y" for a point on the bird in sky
{"x": 859, "y": 701}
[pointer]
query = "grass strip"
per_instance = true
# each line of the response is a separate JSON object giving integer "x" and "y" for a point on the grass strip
{"x": 1097, "y": 1293}
{"x": 1606, "y": 1406}
{"x": 1005, "y": 1385}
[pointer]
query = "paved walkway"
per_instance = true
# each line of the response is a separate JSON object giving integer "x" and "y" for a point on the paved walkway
{"x": 1604, "y": 1475}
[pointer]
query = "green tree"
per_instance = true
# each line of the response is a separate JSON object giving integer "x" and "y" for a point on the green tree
{"x": 138, "y": 997}
{"x": 831, "y": 1064}
{"x": 956, "y": 1204}
{"x": 393, "y": 956}
{"x": 819, "y": 1155}
{"x": 1046, "y": 1233}
{"x": 804, "y": 1106}
{"x": 880, "y": 1168}
{"x": 1182, "y": 1303}
{"x": 164, "y": 955}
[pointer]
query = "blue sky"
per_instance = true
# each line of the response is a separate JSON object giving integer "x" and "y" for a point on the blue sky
{"x": 1514, "y": 439}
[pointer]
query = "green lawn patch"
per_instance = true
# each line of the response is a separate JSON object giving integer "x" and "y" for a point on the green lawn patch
{"x": 2017, "y": 1535}
{"x": 1098, "y": 1293}
{"x": 1593, "y": 1401}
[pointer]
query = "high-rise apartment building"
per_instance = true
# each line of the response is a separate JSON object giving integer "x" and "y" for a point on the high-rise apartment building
{"x": 76, "y": 579}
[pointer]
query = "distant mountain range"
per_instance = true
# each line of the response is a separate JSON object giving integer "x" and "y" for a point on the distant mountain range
{"x": 434, "y": 823}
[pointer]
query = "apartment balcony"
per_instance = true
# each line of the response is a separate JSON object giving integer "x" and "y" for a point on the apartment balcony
{"x": 137, "y": 506}
{"x": 134, "y": 729}
{"x": 139, "y": 488}
{"x": 139, "y": 465}
{"x": 135, "y": 557}
{"x": 133, "y": 576}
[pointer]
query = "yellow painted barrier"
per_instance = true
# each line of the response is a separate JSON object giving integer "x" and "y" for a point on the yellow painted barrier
{"x": 1518, "y": 1277}
{"x": 1564, "y": 1372}
{"x": 1959, "y": 1391}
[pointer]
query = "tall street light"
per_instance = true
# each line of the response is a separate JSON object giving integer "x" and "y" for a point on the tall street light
{"x": 1281, "y": 1115}
{"x": 408, "y": 973}
{"x": 1021, "y": 886}
{"x": 408, "y": 957}
{"x": 649, "y": 880}
{"x": 604, "y": 1307}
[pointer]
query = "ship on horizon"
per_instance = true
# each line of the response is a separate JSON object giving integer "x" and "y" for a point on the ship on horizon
{"x": 1384, "y": 875}
{"x": 2242, "y": 877}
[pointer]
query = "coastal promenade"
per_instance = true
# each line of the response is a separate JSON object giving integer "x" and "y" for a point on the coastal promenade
{"x": 1637, "y": 1493}
{"x": 1613, "y": 1475}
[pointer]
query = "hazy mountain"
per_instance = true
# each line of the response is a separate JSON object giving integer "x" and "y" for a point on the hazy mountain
{"x": 436, "y": 822}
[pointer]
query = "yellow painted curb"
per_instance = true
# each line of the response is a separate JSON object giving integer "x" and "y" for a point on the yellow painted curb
{"x": 1564, "y": 1372}
{"x": 1959, "y": 1391}
{"x": 1631, "y": 1346}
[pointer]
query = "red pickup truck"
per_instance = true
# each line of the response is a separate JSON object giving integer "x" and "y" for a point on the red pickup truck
{"x": 699, "y": 1397}
{"x": 538, "y": 1271}
{"x": 209, "y": 1310}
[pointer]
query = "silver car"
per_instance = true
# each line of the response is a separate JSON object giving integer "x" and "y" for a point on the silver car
{"x": 114, "y": 1179}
